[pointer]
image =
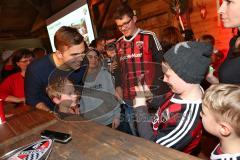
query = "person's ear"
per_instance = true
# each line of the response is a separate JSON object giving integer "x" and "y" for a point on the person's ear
{"x": 225, "y": 129}
{"x": 56, "y": 100}
{"x": 135, "y": 19}
{"x": 58, "y": 54}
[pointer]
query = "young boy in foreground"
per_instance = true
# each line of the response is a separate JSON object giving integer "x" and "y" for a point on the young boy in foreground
{"x": 221, "y": 118}
{"x": 177, "y": 123}
{"x": 63, "y": 93}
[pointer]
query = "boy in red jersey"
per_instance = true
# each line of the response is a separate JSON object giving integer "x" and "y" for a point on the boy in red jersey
{"x": 177, "y": 122}
{"x": 139, "y": 52}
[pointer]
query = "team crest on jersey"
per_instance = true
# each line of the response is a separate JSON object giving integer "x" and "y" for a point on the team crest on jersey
{"x": 139, "y": 44}
{"x": 121, "y": 51}
{"x": 165, "y": 116}
{"x": 155, "y": 119}
{"x": 39, "y": 150}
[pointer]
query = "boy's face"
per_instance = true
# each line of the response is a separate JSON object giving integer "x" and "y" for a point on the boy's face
{"x": 209, "y": 121}
{"x": 68, "y": 104}
{"x": 126, "y": 25}
{"x": 111, "y": 53}
{"x": 69, "y": 95}
{"x": 101, "y": 46}
{"x": 176, "y": 84}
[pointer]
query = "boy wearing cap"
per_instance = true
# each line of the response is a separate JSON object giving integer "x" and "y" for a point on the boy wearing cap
{"x": 220, "y": 117}
{"x": 177, "y": 122}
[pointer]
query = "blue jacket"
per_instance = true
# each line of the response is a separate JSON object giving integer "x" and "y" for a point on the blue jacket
{"x": 39, "y": 73}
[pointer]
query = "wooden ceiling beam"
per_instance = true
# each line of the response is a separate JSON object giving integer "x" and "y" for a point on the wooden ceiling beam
{"x": 42, "y": 6}
{"x": 6, "y": 35}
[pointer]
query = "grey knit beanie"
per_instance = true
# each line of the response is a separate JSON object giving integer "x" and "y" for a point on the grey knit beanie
{"x": 189, "y": 60}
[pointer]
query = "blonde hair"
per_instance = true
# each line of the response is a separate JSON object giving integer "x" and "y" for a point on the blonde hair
{"x": 58, "y": 87}
{"x": 224, "y": 100}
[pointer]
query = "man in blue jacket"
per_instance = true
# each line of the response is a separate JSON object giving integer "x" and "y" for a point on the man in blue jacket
{"x": 66, "y": 61}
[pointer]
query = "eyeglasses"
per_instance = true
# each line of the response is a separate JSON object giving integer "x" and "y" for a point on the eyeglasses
{"x": 124, "y": 24}
{"x": 26, "y": 60}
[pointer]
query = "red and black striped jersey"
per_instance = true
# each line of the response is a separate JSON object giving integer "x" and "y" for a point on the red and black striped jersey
{"x": 138, "y": 57}
{"x": 177, "y": 124}
{"x": 217, "y": 154}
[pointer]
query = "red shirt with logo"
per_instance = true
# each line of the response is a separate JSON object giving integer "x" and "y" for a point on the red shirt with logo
{"x": 140, "y": 58}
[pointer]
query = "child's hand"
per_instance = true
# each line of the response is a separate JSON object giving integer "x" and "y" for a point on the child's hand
{"x": 148, "y": 93}
{"x": 210, "y": 77}
{"x": 74, "y": 109}
{"x": 115, "y": 123}
{"x": 141, "y": 92}
{"x": 42, "y": 106}
{"x": 114, "y": 65}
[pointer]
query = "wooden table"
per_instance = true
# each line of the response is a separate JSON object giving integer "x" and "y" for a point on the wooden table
{"x": 89, "y": 140}
{"x": 23, "y": 121}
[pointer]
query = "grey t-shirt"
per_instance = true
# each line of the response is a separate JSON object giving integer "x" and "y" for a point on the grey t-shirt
{"x": 98, "y": 102}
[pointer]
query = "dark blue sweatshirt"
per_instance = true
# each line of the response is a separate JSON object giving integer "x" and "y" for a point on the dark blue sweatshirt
{"x": 39, "y": 73}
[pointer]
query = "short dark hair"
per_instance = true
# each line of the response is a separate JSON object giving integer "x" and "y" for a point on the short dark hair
{"x": 38, "y": 49}
{"x": 39, "y": 52}
{"x": 58, "y": 87}
{"x": 188, "y": 35}
{"x": 94, "y": 42}
{"x": 208, "y": 38}
{"x": 67, "y": 37}
{"x": 122, "y": 10}
{"x": 111, "y": 46}
{"x": 169, "y": 37}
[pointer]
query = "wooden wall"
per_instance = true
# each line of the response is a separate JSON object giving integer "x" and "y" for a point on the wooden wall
{"x": 155, "y": 15}
{"x": 211, "y": 25}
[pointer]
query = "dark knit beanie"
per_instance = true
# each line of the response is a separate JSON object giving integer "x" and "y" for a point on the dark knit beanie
{"x": 189, "y": 60}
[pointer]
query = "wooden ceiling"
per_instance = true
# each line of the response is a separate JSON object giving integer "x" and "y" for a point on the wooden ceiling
{"x": 26, "y": 18}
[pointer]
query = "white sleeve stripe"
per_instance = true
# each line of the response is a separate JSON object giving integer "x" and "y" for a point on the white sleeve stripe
{"x": 185, "y": 127}
{"x": 192, "y": 120}
{"x": 179, "y": 132}
{"x": 175, "y": 130}
{"x": 159, "y": 47}
{"x": 120, "y": 39}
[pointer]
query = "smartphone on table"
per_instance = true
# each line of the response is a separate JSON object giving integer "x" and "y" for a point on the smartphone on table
{"x": 56, "y": 136}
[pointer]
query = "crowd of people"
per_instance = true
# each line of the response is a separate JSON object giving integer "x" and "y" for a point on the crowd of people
{"x": 166, "y": 91}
